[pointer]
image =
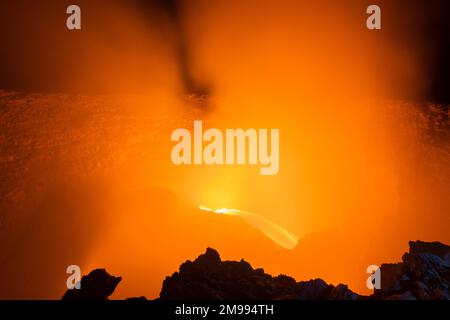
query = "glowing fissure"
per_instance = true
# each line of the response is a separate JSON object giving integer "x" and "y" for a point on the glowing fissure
{"x": 276, "y": 233}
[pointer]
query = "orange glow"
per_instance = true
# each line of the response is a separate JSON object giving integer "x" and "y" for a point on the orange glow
{"x": 345, "y": 154}
{"x": 354, "y": 183}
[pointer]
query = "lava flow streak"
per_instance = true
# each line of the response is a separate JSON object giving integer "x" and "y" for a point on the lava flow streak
{"x": 276, "y": 233}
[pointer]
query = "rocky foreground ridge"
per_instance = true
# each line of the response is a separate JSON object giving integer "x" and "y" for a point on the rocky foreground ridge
{"x": 423, "y": 274}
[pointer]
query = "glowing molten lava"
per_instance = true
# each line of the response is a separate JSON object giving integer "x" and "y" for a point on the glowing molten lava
{"x": 277, "y": 234}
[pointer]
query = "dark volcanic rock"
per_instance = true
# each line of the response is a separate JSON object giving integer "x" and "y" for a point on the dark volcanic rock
{"x": 97, "y": 285}
{"x": 210, "y": 278}
{"x": 436, "y": 248}
{"x": 142, "y": 298}
{"x": 424, "y": 274}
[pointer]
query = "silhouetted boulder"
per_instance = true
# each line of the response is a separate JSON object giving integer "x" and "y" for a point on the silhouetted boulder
{"x": 210, "y": 278}
{"x": 436, "y": 248}
{"x": 97, "y": 285}
{"x": 424, "y": 274}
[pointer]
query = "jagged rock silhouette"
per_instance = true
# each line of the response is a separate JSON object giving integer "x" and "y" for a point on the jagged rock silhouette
{"x": 424, "y": 274}
{"x": 208, "y": 277}
{"x": 97, "y": 285}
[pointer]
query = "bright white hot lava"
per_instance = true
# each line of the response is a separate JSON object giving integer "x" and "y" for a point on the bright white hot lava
{"x": 277, "y": 234}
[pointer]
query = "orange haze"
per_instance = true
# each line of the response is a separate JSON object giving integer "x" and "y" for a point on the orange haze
{"x": 357, "y": 178}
